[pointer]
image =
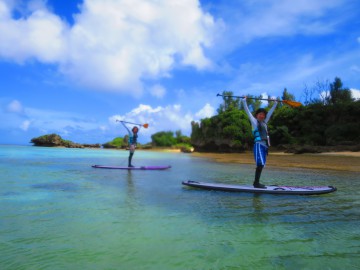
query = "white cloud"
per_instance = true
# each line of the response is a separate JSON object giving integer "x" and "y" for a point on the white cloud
{"x": 41, "y": 36}
{"x": 168, "y": 118}
{"x": 25, "y": 125}
{"x": 248, "y": 20}
{"x": 144, "y": 109}
{"x": 103, "y": 128}
{"x": 79, "y": 128}
{"x": 113, "y": 44}
{"x": 15, "y": 107}
{"x": 15, "y": 116}
{"x": 355, "y": 93}
{"x": 158, "y": 91}
{"x": 206, "y": 111}
{"x": 284, "y": 18}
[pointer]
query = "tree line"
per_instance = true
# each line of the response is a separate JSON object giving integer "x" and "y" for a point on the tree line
{"x": 160, "y": 139}
{"x": 328, "y": 117}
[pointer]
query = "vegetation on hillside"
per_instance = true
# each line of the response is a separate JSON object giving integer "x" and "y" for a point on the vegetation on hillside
{"x": 117, "y": 143}
{"x": 329, "y": 119}
{"x": 162, "y": 139}
{"x": 167, "y": 139}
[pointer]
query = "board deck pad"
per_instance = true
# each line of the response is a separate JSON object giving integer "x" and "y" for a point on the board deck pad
{"x": 272, "y": 189}
{"x": 132, "y": 168}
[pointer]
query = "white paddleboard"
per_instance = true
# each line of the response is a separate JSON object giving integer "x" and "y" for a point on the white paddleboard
{"x": 273, "y": 189}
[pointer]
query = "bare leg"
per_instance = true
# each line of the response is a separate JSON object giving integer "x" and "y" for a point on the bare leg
{"x": 130, "y": 158}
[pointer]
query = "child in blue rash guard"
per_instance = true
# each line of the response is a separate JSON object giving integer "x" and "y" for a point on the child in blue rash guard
{"x": 261, "y": 138}
{"x": 132, "y": 141}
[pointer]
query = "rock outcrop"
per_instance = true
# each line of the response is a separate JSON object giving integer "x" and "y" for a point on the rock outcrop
{"x": 54, "y": 140}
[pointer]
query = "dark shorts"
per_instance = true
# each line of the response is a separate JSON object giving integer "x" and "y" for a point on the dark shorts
{"x": 260, "y": 154}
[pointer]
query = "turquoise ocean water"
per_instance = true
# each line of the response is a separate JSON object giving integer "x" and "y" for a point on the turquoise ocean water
{"x": 59, "y": 213}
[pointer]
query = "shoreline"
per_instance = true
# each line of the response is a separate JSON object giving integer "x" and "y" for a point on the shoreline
{"x": 337, "y": 161}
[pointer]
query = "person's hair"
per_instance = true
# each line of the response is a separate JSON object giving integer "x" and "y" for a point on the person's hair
{"x": 260, "y": 110}
{"x": 134, "y": 128}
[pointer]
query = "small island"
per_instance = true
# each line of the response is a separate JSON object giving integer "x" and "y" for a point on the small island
{"x": 55, "y": 140}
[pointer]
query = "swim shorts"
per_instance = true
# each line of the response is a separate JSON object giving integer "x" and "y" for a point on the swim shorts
{"x": 260, "y": 154}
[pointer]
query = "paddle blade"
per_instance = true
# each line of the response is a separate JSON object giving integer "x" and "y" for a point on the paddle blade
{"x": 145, "y": 125}
{"x": 292, "y": 103}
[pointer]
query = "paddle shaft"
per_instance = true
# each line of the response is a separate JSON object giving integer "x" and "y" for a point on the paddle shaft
{"x": 129, "y": 122}
{"x": 219, "y": 95}
{"x": 288, "y": 102}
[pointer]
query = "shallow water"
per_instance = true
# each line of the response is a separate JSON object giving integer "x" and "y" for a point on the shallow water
{"x": 59, "y": 213}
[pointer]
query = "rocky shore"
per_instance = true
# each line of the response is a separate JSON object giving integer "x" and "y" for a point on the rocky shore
{"x": 54, "y": 140}
{"x": 302, "y": 149}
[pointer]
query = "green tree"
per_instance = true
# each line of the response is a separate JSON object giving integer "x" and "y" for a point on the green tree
{"x": 229, "y": 103}
{"x": 163, "y": 139}
{"x": 181, "y": 139}
{"x": 117, "y": 142}
{"x": 229, "y": 131}
{"x": 287, "y": 96}
{"x": 338, "y": 94}
{"x": 320, "y": 122}
{"x": 255, "y": 103}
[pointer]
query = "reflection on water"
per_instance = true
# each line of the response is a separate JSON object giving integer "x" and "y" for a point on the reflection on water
{"x": 257, "y": 204}
{"x": 130, "y": 192}
{"x": 57, "y": 186}
{"x": 59, "y": 213}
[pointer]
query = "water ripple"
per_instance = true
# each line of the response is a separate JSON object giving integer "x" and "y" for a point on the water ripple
{"x": 59, "y": 213}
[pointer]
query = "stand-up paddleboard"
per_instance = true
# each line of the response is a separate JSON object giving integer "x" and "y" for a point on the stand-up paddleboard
{"x": 273, "y": 189}
{"x": 132, "y": 168}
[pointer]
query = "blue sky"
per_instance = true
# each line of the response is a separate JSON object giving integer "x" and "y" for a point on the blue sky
{"x": 74, "y": 67}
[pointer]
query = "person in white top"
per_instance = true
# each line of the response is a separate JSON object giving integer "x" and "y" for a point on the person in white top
{"x": 261, "y": 138}
{"x": 133, "y": 135}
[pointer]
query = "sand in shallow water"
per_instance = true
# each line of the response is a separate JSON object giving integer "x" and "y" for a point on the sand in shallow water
{"x": 342, "y": 161}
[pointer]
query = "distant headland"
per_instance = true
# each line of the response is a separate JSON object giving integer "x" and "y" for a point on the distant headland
{"x": 55, "y": 140}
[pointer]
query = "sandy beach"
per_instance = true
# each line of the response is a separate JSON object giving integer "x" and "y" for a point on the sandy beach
{"x": 341, "y": 161}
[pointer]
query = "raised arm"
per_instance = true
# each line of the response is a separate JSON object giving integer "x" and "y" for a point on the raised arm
{"x": 270, "y": 112}
{"x": 126, "y": 127}
{"x": 249, "y": 114}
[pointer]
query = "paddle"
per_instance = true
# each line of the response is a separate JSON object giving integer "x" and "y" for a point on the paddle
{"x": 291, "y": 103}
{"x": 141, "y": 125}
